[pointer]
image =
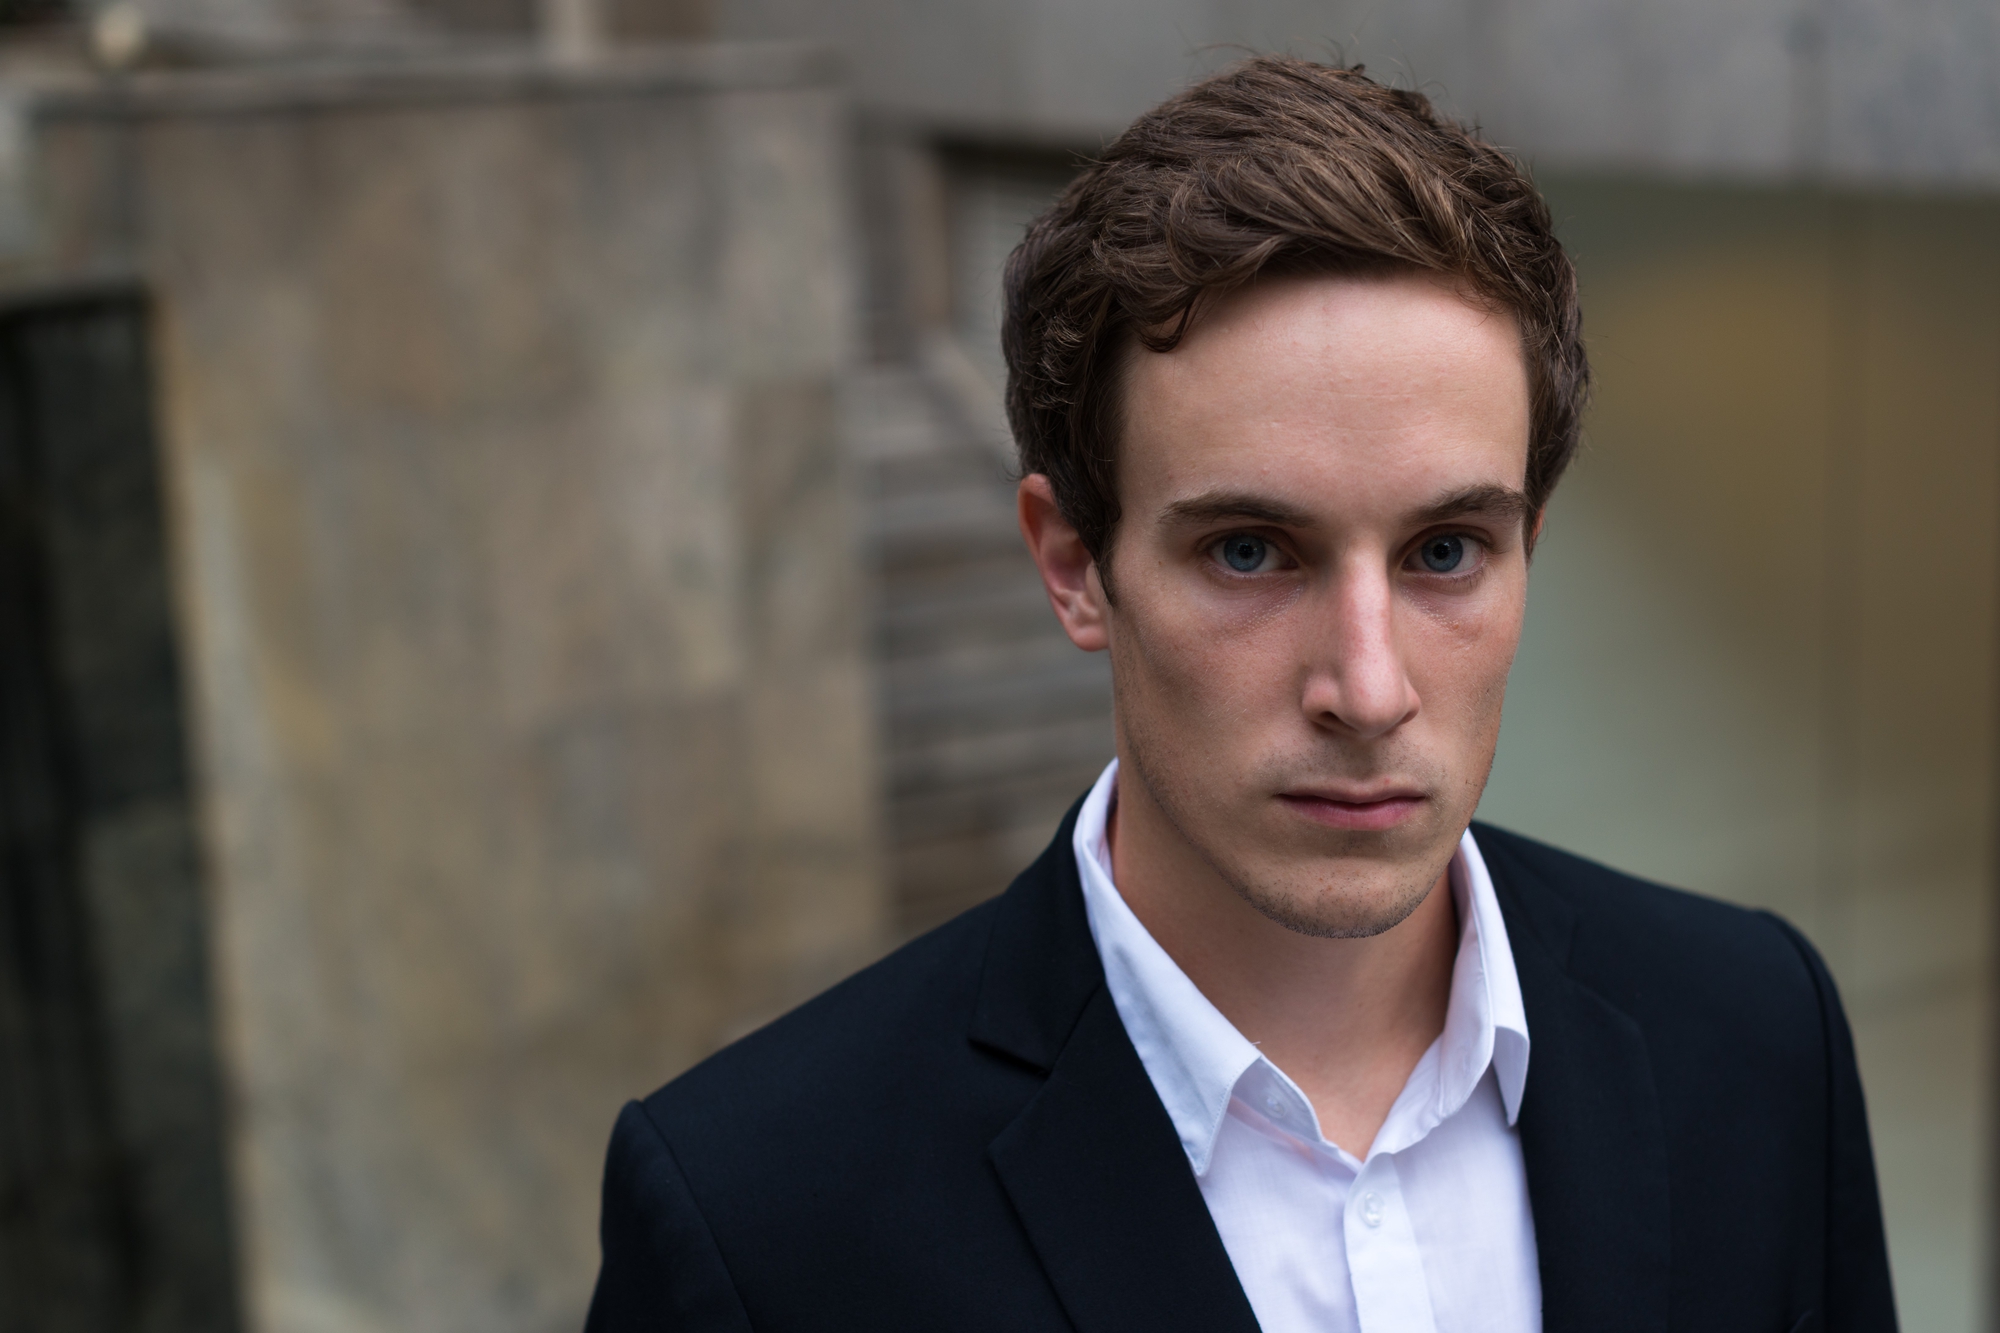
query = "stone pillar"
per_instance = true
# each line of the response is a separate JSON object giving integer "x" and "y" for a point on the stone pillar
{"x": 520, "y": 600}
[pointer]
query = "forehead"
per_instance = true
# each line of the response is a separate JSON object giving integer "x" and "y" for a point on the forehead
{"x": 1344, "y": 391}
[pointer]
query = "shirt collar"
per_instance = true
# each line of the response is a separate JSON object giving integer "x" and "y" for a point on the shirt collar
{"x": 1486, "y": 1013}
{"x": 1196, "y": 1058}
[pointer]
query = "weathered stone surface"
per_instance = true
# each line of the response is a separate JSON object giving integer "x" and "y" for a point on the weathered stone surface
{"x": 523, "y": 617}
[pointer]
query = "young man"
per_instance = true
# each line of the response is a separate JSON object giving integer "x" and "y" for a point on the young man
{"x": 1270, "y": 1037}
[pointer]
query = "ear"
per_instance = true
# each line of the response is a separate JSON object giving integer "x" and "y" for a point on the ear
{"x": 1068, "y": 571}
{"x": 1535, "y": 530}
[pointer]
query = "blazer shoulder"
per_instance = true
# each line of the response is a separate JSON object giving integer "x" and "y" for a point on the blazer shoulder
{"x": 1654, "y": 945}
{"x": 908, "y": 1011}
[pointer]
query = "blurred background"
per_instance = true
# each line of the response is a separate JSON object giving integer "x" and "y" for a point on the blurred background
{"x": 507, "y": 576}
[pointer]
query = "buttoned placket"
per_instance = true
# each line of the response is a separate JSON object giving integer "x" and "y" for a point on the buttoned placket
{"x": 1384, "y": 1263}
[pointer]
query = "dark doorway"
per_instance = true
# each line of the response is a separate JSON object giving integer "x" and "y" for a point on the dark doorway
{"x": 113, "y": 1212}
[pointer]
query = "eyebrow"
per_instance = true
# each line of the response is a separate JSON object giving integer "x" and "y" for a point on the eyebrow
{"x": 1211, "y": 506}
{"x": 1502, "y": 504}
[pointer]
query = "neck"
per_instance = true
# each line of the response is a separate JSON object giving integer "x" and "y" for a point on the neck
{"x": 1346, "y": 1019}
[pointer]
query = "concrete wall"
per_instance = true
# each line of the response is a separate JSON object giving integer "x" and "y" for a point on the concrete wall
{"x": 521, "y": 607}
{"x": 1880, "y": 91}
{"x": 1760, "y": 658}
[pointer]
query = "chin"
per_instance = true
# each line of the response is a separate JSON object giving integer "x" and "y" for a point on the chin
{"x": 1352, "y": 905}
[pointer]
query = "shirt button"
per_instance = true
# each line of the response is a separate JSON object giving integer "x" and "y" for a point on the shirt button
{"x": 1371, "y": 1209}
{"x": 1273, "y": 1107}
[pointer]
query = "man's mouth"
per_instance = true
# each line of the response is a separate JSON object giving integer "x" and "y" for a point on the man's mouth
{"x": 1366, "y": 810}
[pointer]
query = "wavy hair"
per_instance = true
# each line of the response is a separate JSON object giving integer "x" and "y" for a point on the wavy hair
{"x": 1275, "y": 165}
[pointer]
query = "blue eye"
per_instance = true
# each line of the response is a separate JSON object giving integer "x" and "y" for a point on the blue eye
{"x": 1245, "y": 553}
{"x": 1443, "y": 554}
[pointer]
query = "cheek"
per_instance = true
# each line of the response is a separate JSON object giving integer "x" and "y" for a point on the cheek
{"x": 1207, "y": 654}
{"x": 1182, "y": 687}
{"x": 1459, "y": 655}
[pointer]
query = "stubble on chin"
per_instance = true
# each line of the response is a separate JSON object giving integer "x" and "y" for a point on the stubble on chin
{"x": 1354, "y": 905}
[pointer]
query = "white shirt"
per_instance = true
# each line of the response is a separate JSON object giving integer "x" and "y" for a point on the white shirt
{"x": 1431, "y": 1233}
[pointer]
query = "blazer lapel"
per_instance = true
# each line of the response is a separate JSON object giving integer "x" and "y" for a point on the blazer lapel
{"x": 1590, "y": 1126}
{"x": 1102, "y": 1185}
{"x": 1092, "y": 1164}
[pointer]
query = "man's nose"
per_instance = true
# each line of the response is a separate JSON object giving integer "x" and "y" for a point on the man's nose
{"x": 1357, "y": 680}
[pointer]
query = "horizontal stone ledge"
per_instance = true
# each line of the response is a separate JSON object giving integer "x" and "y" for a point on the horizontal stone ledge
{"x": 431, "y": 77}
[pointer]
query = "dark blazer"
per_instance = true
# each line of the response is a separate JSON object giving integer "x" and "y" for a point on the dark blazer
{"x": 961, "y": 1138}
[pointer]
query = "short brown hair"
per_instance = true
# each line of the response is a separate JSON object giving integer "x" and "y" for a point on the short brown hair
{"x": 1276, "y": 165}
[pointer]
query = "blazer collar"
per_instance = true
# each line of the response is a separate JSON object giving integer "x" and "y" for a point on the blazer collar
{"x": 1591, "y": 1132}
{"x": 1041, "y": 965}
{"x": 1093, "y": 1165}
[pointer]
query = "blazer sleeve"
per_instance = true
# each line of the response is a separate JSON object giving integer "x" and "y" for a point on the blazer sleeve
{"x": 662, "y": 1271}
{"x": 1859, "y": 1298}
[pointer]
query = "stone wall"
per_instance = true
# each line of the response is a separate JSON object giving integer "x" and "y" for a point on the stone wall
{"x": 519, "y": 598}
{"x": 1861, "y": 91}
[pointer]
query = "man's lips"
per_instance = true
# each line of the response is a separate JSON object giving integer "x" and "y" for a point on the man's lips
{"x": 1356, "y": 810}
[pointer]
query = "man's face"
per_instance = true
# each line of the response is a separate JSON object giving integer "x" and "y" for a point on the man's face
{"x": 1320, "y": 578}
